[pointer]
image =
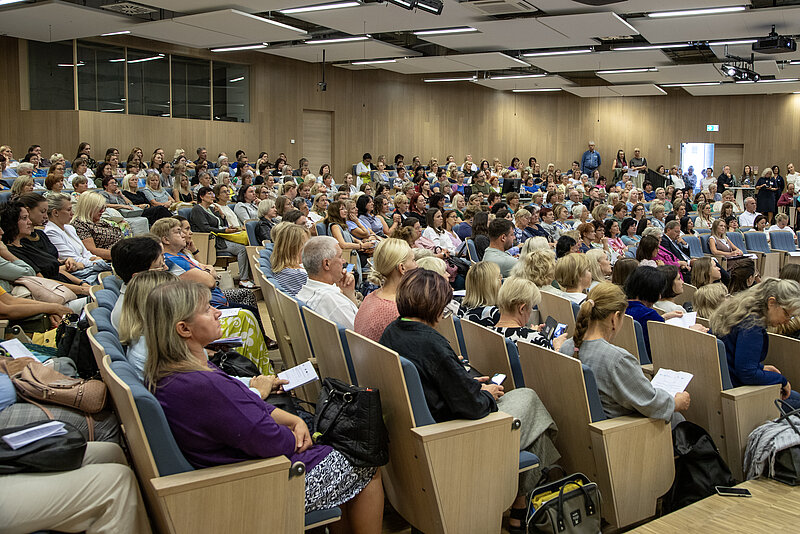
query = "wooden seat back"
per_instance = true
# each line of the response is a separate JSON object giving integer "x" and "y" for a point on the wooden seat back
{"x": 559, "y": 308}
{"x": 487, "y": 351}
{"x": 327, "y": 345}
{"x": 784, "y": 353}
{"x": 447, "y": 327}
{"x": 298, "y": 339}
{"x": 276, "y": 318}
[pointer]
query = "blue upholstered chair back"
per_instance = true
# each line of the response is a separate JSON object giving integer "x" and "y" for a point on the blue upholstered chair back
{"x": 103, "y": 318}
{"x": 576, "y": 308}
{"x": 351, "y": 370}
{"x": 695, "y": 248}
{"x": 112, "y": 283}
{"x": 111, "y": 344}
{"x": 593, "y": 395}
{"x": 184, "y": 212}
{"x": 756, "y": 241}
{"x": 250, "y": 227}
{"x": 168, "y": 457}
{"x": 644, "y": 356}
{"x": 472, "y": 250}
{"x": 631, "y": 252}
{"x": 783, "y": 240}
{"x": 702, "y": 231}
{"x": 460, "y": 336}
{"x": 513, "y": 360}
{"x": 106, "y": 298}
{"x": 737, "y": 239}
{"x": 723, "y": 365}
{"x": 321, "y": 228}
{"x": 5, "y": 196}
{"x": 419, "y": 406}
{"x": 265, "y": 263}
{"x": 704, "y": 241}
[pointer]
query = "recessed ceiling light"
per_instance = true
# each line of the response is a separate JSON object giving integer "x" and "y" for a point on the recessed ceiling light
{"x": 9, "y": 2}
{"x": 463, "y": 29}
{"x": 733, "y": 42}
{"x": 237, "y": 48}
{"x": 695, "y": 12}
{"x": 795, "y": 62}
{"x": 650, "y": 47}
{"x": 516, "y": 76}
{"x": 467, "y": 79}
{"x": 558, "y": 52}
{"x": 123, "y": 32}
{"x": 374, "y": 62}
{"x": 627, "y": 71}
{"x": 320, "y": 7}
{"x": 151, "y": 58}
{"x": 691, "y": 84}
{"x": 334, "y": 40}
{"x": 535, "y": 90}
{"x": 780, "y": 80}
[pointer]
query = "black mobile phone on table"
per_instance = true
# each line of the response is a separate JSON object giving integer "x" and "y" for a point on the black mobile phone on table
{"x": 726, "y": 491}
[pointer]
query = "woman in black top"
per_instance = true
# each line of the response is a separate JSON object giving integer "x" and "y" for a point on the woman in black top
{"x": 480, "y": 232}
{"x": 449, "y": 391}
{"x": 131, "y": 191}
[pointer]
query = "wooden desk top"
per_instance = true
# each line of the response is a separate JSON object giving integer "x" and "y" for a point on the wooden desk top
{"x": 774, "y": 507}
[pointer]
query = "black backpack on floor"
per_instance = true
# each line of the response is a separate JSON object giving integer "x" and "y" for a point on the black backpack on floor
{"x": 698, "y": 467}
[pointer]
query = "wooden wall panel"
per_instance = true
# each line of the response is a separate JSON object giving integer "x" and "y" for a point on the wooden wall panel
{"x": 386, "y": 113}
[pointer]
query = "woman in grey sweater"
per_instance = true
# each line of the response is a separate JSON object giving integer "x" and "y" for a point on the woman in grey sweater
{"x": 623, "y": 388}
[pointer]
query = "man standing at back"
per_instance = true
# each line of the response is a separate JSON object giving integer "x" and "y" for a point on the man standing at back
{"x": 501, "y": 238}
{"x": 590, "y": 160}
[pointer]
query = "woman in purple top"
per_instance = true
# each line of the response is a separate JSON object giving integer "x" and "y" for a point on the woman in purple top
{"x": 217, "y": 420}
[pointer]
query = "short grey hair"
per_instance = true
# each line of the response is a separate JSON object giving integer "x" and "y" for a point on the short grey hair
{"x": 654, "y": 231}
{"x": 577, "y": 210}
{"x": 264, "y": 206}
{"x": 56, "y": 202}
{"x": 317, "y": 250}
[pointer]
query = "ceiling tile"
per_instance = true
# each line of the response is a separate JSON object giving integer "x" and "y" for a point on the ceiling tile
{"x": 369, "y": 49}
{"x": 252, "y": 28}
{"x": 616, "y": 90}
{"x": 454, "y": 63}
{"x": 591, "y": 24}
{"x": 59, "y": 21}
{"x": 600, "y": 61}
{"x": 744, "y": 89}
{"x": 547, "y": 82}
{"x": 172, "y": 31}
{"x": 248, "y": 6}
{"x": 631, "y": 6}
{"x": 705, "y": 72}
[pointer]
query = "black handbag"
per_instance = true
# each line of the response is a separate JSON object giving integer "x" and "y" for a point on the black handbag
{"x": 787, "y": 461}
{"x": 234, "y": 364}
{"x": 54, "y": 453}
{"x": 72, "y": 342}
{"x": 349, "y": 418}
{"x": 570, "y": 505}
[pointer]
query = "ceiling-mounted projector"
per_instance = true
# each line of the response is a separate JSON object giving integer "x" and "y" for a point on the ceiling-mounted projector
{"x": 775, "y": 44}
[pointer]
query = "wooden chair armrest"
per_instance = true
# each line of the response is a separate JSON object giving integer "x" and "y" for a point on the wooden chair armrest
{"x": 647, "y": 369}
{"x": 635, "y": 465}
{"x": 221, "y": 474}
{"x": 742, "y": 392}
{"x": 743, "y": 409}
{"x": 756, "y": 252}
{"x": 3, "y": 327}
{"x": 461, "y": 426}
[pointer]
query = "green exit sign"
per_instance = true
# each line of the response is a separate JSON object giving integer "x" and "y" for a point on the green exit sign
{"x": 712, "y": 127}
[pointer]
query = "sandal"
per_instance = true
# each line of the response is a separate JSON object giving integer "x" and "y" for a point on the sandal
{"x": 520, "y": 514}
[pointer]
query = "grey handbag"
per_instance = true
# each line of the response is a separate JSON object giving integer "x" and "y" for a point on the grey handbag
{"x": 570, "y": 505}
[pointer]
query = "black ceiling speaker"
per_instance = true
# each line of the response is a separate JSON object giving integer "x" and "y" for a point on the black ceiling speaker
{"x": 598, "y": 2}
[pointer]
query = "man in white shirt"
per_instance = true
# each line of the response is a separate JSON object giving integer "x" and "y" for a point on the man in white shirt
{"x": 748, "y": 216}
{"x": 330, "y": 289}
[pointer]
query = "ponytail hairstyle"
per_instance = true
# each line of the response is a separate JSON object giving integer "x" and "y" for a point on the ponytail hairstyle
{"x": 604, "y": 300}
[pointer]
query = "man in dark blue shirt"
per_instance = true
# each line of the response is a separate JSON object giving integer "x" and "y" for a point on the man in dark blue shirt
{"x": 590, "y": 160}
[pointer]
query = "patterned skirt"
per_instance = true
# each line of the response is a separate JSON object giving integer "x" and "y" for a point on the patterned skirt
{"x": 334, "y": 481}
{"x": 245, "y": 324}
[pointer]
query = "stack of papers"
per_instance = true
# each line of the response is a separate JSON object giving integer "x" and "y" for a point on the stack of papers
{"x": 33, "y": 434}
{"x": 233, "y": 340}
{"x": 671, "y": 381}
{"x": 16, "y": 349}
{"x": 298, "y": 376}
{"x": 686, "y": 320}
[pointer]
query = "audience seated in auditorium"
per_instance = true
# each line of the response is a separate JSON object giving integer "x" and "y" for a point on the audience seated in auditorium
{"x": 743, "y": 275}
{"x": 480, "y": 296}
{"x": 216, "y": 419}
{"x": 741, "y": 323}
{"x": 515, "y": 300}
{"x": 286, "y": 258}
{"x": 623, "y": 388}
{"x": 708, "y": 298}
{"x": 599, "y": 265}
{"x": 330, "y": 289}
{"x": 671, "y": 299}
{"x": 98, "y": 234}
{"x": 501, "y": 238}
{"x": 574, "y": 276}
{"x": 392, "y": 259}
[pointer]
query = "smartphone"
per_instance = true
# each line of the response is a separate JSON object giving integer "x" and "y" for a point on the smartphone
{"x": 732, "y": 492}
{"x": 498, "y": 378}
{"x": 350, "y": 267}
{"x": 553, "y": 328}
{"x": 560, "y": 329}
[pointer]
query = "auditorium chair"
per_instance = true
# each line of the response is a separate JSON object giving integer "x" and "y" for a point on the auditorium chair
{"x": 251, "y": 496}
{"x": 472, "y": 250}
{"x": 276, "y": 319}
{"x": 688, "y": 293}
{"x": 111, "y": 282}
{"x": 630, "y": 457}
{"x": 329, "y": 343}
{"x": 450, "y": 328}
{"x": 490, "y": 353}
{"x": 452, "y": 477}
{"x": 771, "y": 260}
{"x": 728, "y": 413}
{"x": 723, "y": 261}
{"x": 298, "y": 339}
{"x": 784, "y": 241}
{"x": 559, "y": 308}
{"x": 695, "y": 246}
{"x": 631, "y": 338}
{"x": 784, "y": 353}
{"x": 737, "y": 239}
{"x": 250, "y": 228}
{"x": 105, "y": 298}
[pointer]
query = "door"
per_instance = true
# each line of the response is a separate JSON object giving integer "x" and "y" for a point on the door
{"x": 318, "y": 138}
{"x": 728, "y": 154}
{"x": 699, "y": 156}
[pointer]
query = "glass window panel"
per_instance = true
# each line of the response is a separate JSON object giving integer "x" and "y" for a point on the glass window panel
{"x": 191, "y": 88}
{"x": 231, "y": 92}
{"x": 148, "y": 83}
{"x": 101, "y": 78}
{"x": 50, "y": 75}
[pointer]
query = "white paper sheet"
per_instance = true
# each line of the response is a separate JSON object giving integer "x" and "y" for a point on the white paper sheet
{"x": 30, "y": 435}
{"x": 16, "y": 349}
{"x": 229, "y": 312}
{"x": 671, "y": 381}
{"x": 688, "y": 319}
{"x": 298, "y": 376}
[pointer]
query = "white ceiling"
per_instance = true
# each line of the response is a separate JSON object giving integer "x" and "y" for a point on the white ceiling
{"x": 552, "y": 7}
{"x": 744, "y": 89}
{"x": 248, "y": 6}
{"x": 454, "y": 63}
{"x": 369, "y": 49}
{"x": 547, "y": 82}
{"x": 617, "y": 90}
{"x": 707, "y": 72}
{"x": 600, "y": 61}
{"x": 58, "y": 21}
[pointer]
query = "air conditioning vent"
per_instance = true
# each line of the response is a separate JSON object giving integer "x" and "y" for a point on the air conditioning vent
{"x": 501, "y": 7}
{"x": 129, "y": 8}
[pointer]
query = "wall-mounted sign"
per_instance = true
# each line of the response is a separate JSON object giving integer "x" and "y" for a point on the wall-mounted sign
{"x": 712, "y": 127}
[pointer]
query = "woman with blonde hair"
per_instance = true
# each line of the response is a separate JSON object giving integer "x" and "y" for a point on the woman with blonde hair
{"x": 705, "y": 271}
{"x": 516, "y": 300}
{"x": 537, "y": 265}
{"x": 741, "y": 323}
{"x": 217, "y": 420}
{"x": 599, "y": 266}
{"x": 708, "y": 298}
{"x": 624, "y": 390}
{"x": 97, "y": 234}
{"x": 22, "y": 184}
{"x": 600, "y": 212}
{"x": 430, "y": 262}
{"x": 480, "y": 297}
{"x": 574, "y": 276}
{"x": 392, "y": 259}
{"x": 286, "y": 259}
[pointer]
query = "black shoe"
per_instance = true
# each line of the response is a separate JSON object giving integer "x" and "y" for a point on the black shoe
{"x": 272, "y": 344}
